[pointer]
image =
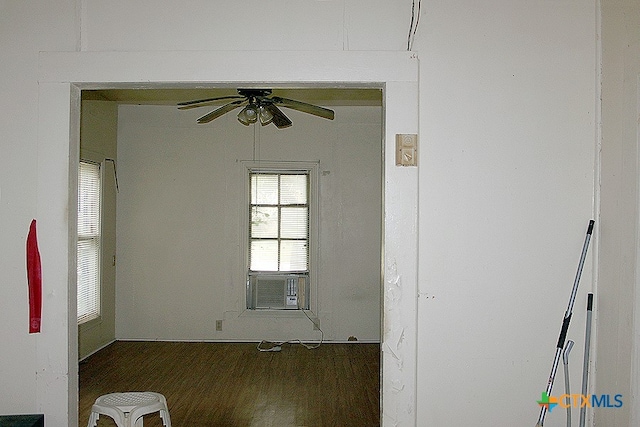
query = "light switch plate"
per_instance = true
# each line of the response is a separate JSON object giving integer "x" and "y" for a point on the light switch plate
{"x": 406, "y": 149}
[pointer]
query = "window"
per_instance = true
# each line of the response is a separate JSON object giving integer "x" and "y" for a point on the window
{"x": 88, "y": 247}
{"x": 279, "y": 229}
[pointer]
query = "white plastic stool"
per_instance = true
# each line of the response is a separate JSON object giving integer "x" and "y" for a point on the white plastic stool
{"x": 127, "y": 409}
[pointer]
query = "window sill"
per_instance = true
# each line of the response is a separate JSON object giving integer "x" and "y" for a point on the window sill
{"x": 90, "y": 324}
{"x": 266, "y": 313}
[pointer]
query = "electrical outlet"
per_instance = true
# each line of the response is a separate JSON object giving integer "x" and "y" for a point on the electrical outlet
{"x": 218, "y": 325}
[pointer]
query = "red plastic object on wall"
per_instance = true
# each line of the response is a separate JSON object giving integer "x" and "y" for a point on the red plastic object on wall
{"x": 34, "y": 279}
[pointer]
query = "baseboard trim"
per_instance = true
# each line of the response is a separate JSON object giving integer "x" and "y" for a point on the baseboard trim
{"x": 97, "y": 350}
{"x": 243, "y": 341}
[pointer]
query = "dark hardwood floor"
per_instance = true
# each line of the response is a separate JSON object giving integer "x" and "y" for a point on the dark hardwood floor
{"x": 235, "y": 385}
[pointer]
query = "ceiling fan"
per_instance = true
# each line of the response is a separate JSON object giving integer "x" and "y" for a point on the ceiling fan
{"x": 258, "y": 105}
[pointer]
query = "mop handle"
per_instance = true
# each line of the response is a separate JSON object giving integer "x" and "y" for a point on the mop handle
{"x": 567, "y": 389}
{"x": 566, "y": 320}
{"x": 576, "y": 281}
{"x": 585, "y": 366}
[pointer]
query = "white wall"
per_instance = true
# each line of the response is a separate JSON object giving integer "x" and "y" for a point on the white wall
{"x": 507, "y": 105}
{"x": 180, "y": 224}
{"x": 98, "y": 141}
{"x": 618, "y": 350}
{"x": 305, "y": 25}
{"x": 29, "y": 363}
{"x": 507, "y": 136}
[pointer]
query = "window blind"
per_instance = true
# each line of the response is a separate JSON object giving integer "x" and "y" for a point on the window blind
{"x": 279, "y": 221}
{"x": 88, "y": 247}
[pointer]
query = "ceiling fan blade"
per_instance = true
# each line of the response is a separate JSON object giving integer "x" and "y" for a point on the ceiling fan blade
{"x": 205, "y": 102}
{"x": 279, "y": 119}
{"x": 220, "y": 111}
{"x": 304, "y": 107}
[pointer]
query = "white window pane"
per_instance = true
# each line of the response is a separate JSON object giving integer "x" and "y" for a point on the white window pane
{"x": 293, "y": 189}
{"x": 294, "y": 223}
{"x": 264, "y": 255}
{"x": 88, "y": 279}
{"x": 88, "y": 245}
{"x": 88, "y": 199}
{"x": 279, "y": 221}
{"x": 264, "y": 189}
{"x": 293, "y": 255}
{"x": 264, "y": 222}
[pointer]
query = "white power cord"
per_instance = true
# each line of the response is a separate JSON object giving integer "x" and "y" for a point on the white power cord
{"x": 274, "y": 348}
{"x": 277, "y": 346}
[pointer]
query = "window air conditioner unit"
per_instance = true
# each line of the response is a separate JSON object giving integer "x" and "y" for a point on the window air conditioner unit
{"x": 278, "y": 292}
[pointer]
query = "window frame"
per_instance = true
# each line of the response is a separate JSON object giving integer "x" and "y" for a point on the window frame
{"x": 311, "y": 169}
{"x": 96, "y": 316}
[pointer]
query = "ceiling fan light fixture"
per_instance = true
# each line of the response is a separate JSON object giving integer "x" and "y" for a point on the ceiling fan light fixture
{"x": 258, "y": 106}
{"x": 265, "y": 115}
{"x": 248, "y": 115}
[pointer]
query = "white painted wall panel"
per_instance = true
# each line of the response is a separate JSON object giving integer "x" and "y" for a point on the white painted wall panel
{"x": 29, "y": 364}
{"x": 283, "y": 25}
{"x": 98, "y": 142}
{"x": 506, "y": 193}
{"x": 618, "y": 346}
{"x": 179, "y": 223}
{"x": 507, "y": 118}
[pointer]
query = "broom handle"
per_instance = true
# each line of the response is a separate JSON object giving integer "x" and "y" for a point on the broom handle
{"x": 566, "y": 321}
{"x": 585, "y": 366}
{"x": 567, "y": 389}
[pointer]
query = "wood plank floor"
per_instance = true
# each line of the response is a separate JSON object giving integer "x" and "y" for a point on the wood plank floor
{"x": 235, "y": 385}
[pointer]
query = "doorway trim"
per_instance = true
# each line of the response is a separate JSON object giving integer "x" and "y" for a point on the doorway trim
{"x": 62, "y": 77}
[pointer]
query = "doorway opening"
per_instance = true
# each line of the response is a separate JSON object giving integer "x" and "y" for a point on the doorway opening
{"x": 65, "y": 74}
{"x": 172, "y": 280}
